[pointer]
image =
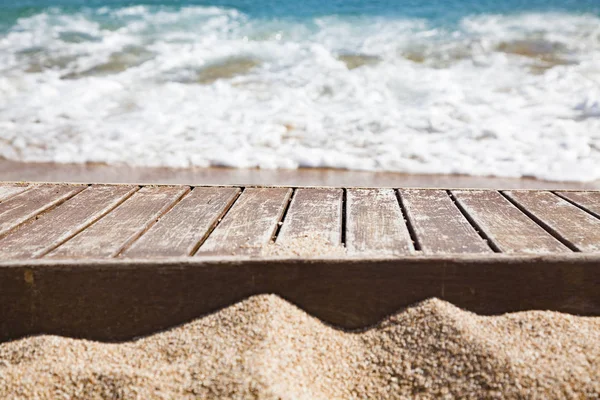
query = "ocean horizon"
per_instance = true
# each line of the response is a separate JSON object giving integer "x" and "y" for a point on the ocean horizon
{"x": 482, "y": 88}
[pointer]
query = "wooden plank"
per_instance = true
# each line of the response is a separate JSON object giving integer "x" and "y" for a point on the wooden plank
{"x": 119, "y": 299}
{"x": 180, "y": 231}
{"x": 9, "y": 190}
{"x": 375, "y": 225}
{"x": 109, "y": 236}
{"x": 315, "y": 214}
{"x": 577, "y": 227}
{"x": 590, "y": 201}
{"x": 30, "y": 203}
{"x": 506, "y": 227}
{"x": 38, "y": 236}
{"x": 249, "y": 225}
{"x": 439, "y": 225}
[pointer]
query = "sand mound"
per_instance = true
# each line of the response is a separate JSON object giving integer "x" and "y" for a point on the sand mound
{"x": 267, "y": 348}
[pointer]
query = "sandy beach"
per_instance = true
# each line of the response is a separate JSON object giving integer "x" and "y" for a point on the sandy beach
{"x": 267, "y": 348}
{"x": 99, "y": 173}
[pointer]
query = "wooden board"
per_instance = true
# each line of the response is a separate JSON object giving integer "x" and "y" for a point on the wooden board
{"x": 121, "y": 299}
{"x": 30, "y": 203}
{"x": 506, "y": 227}
{"x": 7, "y": 191}
{"x": 39, "y": 236}
{"x": 109, "y": 236}
{"x": 87, "y": 292}
{"x": 589, "y": 201}
{"x": 577, "y": 228}
{"x": 375, "y": 225}
{"x": 316, "y": 223}
{"x": 315, "y": 214}
{"x": 183, "y": 228}
{"x": 249, "y": 225}
{"x": 439, "y": 225}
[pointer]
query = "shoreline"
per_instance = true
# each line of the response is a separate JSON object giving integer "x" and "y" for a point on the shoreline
{"x": 101, "y": 173}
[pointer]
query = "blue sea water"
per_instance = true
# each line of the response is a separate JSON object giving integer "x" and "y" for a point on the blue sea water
{"x": 440, "y": 11}
{"x": 480, "y": 87}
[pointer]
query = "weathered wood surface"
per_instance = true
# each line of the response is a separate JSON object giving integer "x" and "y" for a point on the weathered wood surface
{"x": 439, "y": 225}
{"x": 41, "y": 235}
{"x": 118, "y": 300}
{"x": 314, "y": 214}
{"x": 375, "y": 225}
{"x": 590, "y": 201}
{"x": 250, "y": 223}
{"x": 109, "y": 236}
{"x": 506, "y": 227}
{"x": 30, "y": 203}
{"x": 108, "y": 298}
{"x": 185, "y": 226}
{"x": 7, "y": 191}
{"x": 104, "y": 221}
{"x": 576, "y": 227}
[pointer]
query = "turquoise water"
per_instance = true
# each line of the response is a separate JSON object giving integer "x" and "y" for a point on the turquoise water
{"x": 440, "y": 11}
{"x": 480, "y": 87}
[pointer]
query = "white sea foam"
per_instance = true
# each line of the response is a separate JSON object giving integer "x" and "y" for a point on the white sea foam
{"x": 498, "y": 95}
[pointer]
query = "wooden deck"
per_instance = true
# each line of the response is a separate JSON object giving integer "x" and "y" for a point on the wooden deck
{"x": 115, "y": 261}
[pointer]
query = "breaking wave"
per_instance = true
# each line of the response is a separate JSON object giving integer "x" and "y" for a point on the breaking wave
{"x": 504, "y": 95}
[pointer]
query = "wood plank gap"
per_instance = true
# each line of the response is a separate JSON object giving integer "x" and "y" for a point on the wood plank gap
{"x": 75, "y": 233}
{"x": 50, "y": 207}
{"x": 285, "y": 212}
{"x": 250, "y": 224}
{"x": 581, "y": 207}
{"x": 151, "y": 224}
{"x": 214, "y": 226}
{"x": 411, "y": 229}
{"x": 344, "y": 216}
{"x": 10, "y": 196}
{"x": 541, "y": 223}
{"x": 474, "y": 224}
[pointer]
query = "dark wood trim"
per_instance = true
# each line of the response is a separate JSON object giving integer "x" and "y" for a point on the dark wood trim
{"x": 120, "y": 299}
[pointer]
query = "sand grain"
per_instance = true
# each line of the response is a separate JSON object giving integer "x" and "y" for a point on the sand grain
{"x": 266, "y": 348}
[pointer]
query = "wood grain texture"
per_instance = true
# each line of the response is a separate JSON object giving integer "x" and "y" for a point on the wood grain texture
{"x": 314, "y": 214}
{"x": 30, "y": 203}
{"x": 9, "y": 190}
{"x": 118, "y": 300}
{"x": 506, "y": 226}
{"x": 249, "y": 224}
{"x": 38, "y": 236}
{"x": 577, "y": 227}
{"x": 439, "y": 225}
{"x": 590, "y": 201}
{"x": 375, "y": 225}
{"x": 109, "y": 236}
{"x": 180, "y": 231}
{"x": 77, "y": 221}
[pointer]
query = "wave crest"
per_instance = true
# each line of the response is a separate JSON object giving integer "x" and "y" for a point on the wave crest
{"x": 199, "y": 86}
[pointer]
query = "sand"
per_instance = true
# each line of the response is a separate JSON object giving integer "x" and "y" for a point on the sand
{"x": 265, "y": 347}
{"x": 309, "y": 245}
{"x": 97, "y": 173}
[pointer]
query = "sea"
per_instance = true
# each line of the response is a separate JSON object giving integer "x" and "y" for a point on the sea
{"x": 479, "y": 87}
